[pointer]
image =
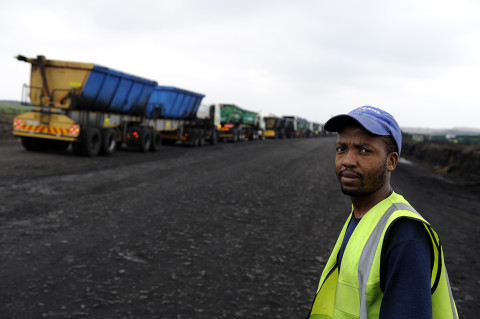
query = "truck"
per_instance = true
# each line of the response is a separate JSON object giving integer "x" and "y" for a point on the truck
{"x": 291, "y": 127}
{"x": 304, "y": 128}
{"x": 204, "y": 127}
{"x": 238, "y": 124}
{"x": 97, "y": 110}
{"x": 254, "y": 126}
{"x": 297, "y": 127}
{"x": 274, "y": 127}
{"x": 317, "y": 129}
{"x": 182, "y": 118}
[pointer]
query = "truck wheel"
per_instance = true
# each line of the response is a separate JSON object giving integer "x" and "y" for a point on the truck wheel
{"x": 213, "y": 137}
{"x": 196, "y": 142}
{"x": 119, "y": 145}
{"x": 145, "y": 140}
{"x": 109, "y": 141}
{"x": 157, "y": 141}
{"x": 91, "y": 141}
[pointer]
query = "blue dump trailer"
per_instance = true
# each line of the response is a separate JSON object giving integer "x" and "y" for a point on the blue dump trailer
{"x": 98, "y": 110}
{"x": 183, "y": 118}
{"x": 173, "y": 103}
{"x": 107, "y": 90}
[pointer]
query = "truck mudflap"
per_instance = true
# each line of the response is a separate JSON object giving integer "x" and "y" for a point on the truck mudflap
{"x": 225, "y": 131}
{"x": 47, "y": 126}
{"x": 269, "y": 134}
{"x": 171, "y": 134}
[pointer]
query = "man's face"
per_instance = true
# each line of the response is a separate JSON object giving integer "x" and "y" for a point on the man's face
{"x": 361, "y": 162}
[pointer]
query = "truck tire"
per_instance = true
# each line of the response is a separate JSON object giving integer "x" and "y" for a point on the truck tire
{"x": 156, "y": 141}
{"x": 145, "y": 140}
{"x": 235, "y": 136}
{"x": 196, "y": 142}
{"x": 213, "y": 137}
{"x": 91, "y": 141}
{"x": 119, "y": 145}
{"x": 109, "y": 141}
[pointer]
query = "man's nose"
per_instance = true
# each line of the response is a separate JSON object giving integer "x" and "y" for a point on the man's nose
{"x": 349, "y": 159}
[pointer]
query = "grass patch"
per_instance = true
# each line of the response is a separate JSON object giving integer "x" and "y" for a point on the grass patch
{"x": 13, "y": 108}
{"x": 8, "y": 111}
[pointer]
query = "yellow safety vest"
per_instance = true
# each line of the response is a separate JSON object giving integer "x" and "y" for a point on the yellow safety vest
{"x": 354, "y": 292}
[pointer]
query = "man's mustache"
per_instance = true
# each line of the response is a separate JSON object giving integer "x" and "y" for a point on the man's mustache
{"x": 350, "y": 173}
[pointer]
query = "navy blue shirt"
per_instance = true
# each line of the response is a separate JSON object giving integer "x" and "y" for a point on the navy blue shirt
{"x": 405, "y": 269}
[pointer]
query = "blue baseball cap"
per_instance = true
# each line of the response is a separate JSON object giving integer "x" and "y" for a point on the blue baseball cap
{"x": 374, "y": 120}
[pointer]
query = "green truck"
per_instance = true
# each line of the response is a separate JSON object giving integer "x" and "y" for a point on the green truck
{"x": 304, "y": 128}
{"x": 317, "y": 129}
{"x": 237, "y": 124}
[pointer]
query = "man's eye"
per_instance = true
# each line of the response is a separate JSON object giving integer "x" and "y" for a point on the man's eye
{"x": 340, "y": 149}
{"x": 364, "y": 150}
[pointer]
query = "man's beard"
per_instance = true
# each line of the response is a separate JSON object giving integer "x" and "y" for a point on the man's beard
{"x": 377, "y": 181}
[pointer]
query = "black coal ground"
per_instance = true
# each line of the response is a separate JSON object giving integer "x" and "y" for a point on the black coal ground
{"x": 225, "y": 231}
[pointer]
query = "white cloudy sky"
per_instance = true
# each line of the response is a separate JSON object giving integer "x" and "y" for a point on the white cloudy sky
{"x": 418, "y": 59}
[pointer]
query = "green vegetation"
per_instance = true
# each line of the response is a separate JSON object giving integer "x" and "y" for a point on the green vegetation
{"x": 13, "y": 107}
{"x": 8, "y": 110}
{"x": 446, "y": 139}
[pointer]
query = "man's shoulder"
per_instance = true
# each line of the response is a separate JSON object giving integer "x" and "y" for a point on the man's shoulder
{"x": 405, "y": 228}
{"x": 397, "y": 198}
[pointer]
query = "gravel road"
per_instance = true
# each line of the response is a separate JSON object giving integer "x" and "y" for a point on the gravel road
{"x": 225, "y": 231}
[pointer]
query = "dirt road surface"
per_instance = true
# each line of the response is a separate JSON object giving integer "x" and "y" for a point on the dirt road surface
{"x": 224, "y": 231}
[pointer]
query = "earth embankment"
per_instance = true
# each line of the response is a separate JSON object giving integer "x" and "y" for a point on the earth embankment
{"x": 458, "y": 162}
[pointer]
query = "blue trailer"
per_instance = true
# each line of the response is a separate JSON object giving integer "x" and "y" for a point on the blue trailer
{"x": 108, "y": 90}
{"x": 182, "y": 117}
{"x": 96, "y": 109}
{"x": 173, "y": 103}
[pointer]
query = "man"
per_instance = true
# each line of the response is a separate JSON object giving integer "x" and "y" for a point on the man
{"x": 388, "y": 261}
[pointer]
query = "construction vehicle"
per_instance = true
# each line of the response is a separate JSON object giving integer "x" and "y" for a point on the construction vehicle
{"x": 201, "y": 129}
{"x": 317, "y": 129}
{"x": 274, "y": 127}
{"x": 297, "y": 127}
{"x": 204, "y": 128}
{"x": 304, "y": 128}
{"x": 254, "y": 125}
{"x": 238, "y": 124}
{"x": 97, "y": 109}
{"x": 182, "y": 118}
{"x": 291, "y": 126}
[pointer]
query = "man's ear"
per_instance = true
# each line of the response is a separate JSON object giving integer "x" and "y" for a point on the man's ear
{"x": 392, "y": 161}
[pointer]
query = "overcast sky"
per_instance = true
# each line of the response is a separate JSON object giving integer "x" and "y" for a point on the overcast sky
{"x": 419, "y": 60}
